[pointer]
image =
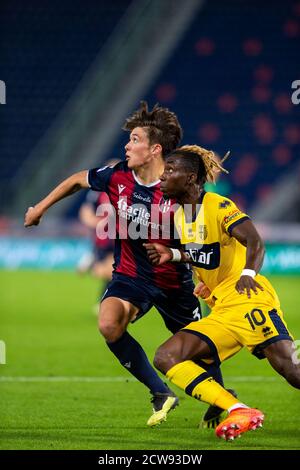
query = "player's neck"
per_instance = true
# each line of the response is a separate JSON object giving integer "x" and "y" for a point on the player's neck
{"x": 150, "y": 172}
{"x": 191, "y": 197}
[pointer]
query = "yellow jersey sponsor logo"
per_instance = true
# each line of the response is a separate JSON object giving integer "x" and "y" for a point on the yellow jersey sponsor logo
{"x": 232, "y": 215}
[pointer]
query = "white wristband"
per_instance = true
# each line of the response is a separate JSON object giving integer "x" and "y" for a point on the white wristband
{"x": 176, "y": 255}
{"x": 248, "y": 272}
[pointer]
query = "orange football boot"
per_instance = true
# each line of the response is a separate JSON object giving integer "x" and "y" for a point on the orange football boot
{"x": 239, "y": 421}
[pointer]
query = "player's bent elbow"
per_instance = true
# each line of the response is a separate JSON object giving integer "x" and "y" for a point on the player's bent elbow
{"x": 261, "y": 250}
{"x": 80, "y": 180}
{"x": 257, "y": 246}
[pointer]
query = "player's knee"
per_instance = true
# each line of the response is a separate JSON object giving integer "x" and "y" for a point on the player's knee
{"x": 290, "y": 371}
{"x": 165, "y": 358}
{"x": 292, "y": 375}
{"x": 110, "y": 330}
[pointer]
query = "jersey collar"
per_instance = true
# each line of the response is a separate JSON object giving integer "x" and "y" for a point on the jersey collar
{"x": 198, "y": 208}
{"x": 141, "y": 184}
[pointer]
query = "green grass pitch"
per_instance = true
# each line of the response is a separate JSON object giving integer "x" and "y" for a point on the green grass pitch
{"x": 61, "y": 388}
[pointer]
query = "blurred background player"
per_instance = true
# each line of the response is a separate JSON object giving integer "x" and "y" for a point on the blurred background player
{"x": 99, "y": 261}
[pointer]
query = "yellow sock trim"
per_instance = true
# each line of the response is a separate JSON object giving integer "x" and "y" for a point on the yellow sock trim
{"x": 185, "y": 373}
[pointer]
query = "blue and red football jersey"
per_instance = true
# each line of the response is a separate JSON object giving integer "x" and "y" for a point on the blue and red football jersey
{"x": 142, "y": 215}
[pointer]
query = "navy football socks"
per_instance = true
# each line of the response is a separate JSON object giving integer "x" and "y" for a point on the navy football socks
{"x": 132, "y": 356}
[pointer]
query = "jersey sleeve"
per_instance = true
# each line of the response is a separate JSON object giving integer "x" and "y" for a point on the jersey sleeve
{"x": 230, "y": 215}
{"x": 98, "y": 178}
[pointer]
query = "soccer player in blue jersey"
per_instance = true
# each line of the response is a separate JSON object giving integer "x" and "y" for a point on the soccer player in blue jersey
{"x": 133, "y": 187}
{"x": 222, "y": 244}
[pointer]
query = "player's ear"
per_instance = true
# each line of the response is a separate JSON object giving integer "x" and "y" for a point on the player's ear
{"x": 156, "y": 149}
{"x": 192, "y": 178}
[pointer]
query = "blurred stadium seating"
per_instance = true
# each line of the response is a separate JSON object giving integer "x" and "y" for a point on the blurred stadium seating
{"x": 46, "y": 49}
{"x": 229, "y": 80}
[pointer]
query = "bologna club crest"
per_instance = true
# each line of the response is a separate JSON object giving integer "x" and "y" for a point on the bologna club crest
{"x": 165, "y": 205}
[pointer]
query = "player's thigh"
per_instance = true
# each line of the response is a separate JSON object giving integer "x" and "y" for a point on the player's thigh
{"x": 178, "y": 307}
{"x": 213, "y": 331}
{"x": 114, "y": 310}
{"x": 280, "y": 354}
{"x": 179, "y": 348}
{"x": 130, "y": 299}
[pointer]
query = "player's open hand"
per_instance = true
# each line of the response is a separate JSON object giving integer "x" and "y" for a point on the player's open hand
{"x": 249, "y": 284}
{"x": 157, "y": 253}
{"x": 32, "y": 217}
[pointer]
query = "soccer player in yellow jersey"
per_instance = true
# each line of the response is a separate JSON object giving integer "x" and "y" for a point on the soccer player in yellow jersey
{"x": 222, "y": 244}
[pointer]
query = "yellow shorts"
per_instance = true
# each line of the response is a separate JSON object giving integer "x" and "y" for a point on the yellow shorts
{"x": 236, "y": 321}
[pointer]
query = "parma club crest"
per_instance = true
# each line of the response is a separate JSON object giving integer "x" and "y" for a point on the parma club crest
{"x": 203, "y": 232}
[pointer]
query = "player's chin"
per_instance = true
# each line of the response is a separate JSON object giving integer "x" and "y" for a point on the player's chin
{"x": 166, "y": 194}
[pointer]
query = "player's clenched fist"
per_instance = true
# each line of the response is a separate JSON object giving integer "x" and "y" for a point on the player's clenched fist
{"x": 157, "y": 253}
{"x": 32, "y": 217}
{"x": 201, "y": 290}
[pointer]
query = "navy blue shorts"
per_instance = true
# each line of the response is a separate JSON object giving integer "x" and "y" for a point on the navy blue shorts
{"x": 178, "y": 307}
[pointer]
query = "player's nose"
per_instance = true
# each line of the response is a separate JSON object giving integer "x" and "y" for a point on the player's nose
{"x": 162, "y": 177}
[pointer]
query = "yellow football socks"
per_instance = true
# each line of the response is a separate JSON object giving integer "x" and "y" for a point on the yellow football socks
{"x": 195, "y": 381}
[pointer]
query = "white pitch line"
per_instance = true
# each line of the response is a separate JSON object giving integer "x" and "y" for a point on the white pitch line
{"x": 67, "y": 379}
{"x": 250, "y": 378}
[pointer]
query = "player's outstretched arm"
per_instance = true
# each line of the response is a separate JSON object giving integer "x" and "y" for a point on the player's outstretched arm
{"x": 248, "y": 236}
{"x": 65, "y": 188}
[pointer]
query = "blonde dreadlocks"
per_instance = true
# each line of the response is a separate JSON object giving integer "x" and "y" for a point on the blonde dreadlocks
{"x": 211, "y": 163}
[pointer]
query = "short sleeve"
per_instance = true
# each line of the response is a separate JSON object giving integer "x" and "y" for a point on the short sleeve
{"x": 230, "y": 215}
{"x": 98, "y": 178}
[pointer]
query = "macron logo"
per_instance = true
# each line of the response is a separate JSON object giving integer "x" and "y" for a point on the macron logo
{"x": 121, "y": 188}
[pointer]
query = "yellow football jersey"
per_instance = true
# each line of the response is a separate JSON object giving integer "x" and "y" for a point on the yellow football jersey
{"x": 218, "y": 258}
